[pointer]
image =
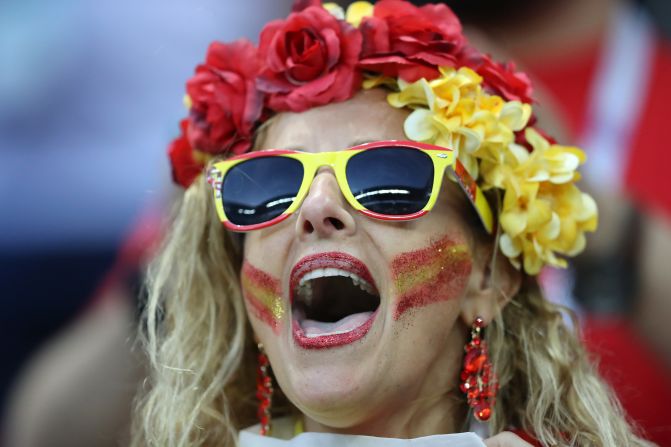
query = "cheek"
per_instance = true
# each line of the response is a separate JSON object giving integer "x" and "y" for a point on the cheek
{"x": 432, "y": 274}
{"x": 263, "y": 295}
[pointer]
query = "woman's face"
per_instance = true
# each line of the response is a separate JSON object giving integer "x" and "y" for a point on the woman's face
{"x": 344, "y": 353}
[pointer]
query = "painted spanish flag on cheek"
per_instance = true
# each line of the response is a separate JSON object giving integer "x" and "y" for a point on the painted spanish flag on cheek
{"x": 263, "y": 295}
{"x": 429, "y": 275}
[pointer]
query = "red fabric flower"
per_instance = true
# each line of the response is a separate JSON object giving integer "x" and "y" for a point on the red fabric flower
{"x": 410, "y": 42}
{"x": 500, "y": 79}
{"x": 310, "y": 60}
{"x": 185, "y": 168}
{"x": 225, "y": 102}
{"x": 300, "y": 5}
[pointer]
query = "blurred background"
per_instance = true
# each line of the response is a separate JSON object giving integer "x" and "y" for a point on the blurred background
{"x": 90, "y": 96}
{"x": 91, "y": 93}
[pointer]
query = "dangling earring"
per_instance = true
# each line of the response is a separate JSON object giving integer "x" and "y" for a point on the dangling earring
{"x": 264, "y": 391}
{"x": 478, "y": 379}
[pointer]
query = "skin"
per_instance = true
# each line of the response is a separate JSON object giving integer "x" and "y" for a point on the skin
{"x": 401, "y": 379}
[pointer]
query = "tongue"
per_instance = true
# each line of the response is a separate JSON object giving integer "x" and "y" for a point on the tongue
{"x": 314, "y": 328}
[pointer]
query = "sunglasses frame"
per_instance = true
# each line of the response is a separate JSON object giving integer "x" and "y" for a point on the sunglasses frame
{"x": 441, "y": 157}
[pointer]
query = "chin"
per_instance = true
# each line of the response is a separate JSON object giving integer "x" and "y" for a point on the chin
{"x": 334, "y": 398}
{"x": 329, "y": 384}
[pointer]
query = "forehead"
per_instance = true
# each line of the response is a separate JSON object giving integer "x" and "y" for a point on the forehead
{"x": 365, "y": 117}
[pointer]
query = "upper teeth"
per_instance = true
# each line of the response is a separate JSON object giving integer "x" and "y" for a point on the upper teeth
{"x": 305, "y": 287}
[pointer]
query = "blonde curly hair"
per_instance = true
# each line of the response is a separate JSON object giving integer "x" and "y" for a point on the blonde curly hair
{"x": 200, "y": 347}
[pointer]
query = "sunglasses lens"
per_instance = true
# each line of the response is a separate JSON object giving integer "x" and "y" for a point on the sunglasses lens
{"x": 391, "y": 180}
{"x": 260, "y": 189}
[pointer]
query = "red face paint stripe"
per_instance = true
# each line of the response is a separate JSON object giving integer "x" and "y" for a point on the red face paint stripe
{"x": 263, "y": 295}
{"x": 260, "y": 311}
{"x": 436, "y": 273}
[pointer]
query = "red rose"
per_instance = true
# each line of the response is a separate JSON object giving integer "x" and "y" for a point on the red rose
{"x": 185, "y": 168}
{"x": 300, "y": 5}
{"x": 309, "y": 60}
{"x": 410, "y": 42}
{"x": 501, "y": 79}
{"x": 225, "y": 102}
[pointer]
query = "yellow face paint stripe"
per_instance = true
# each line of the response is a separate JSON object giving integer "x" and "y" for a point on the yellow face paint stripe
{"x": 263, "y": 295}
{"x": 436, "y": 273}
{"x": 445, "y": 258}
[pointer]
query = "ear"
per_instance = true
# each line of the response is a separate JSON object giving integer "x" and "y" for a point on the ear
{"x": 492, "y": 284}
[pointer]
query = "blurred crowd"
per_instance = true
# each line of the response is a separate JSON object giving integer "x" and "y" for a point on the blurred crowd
{"x": 91, "y": 92}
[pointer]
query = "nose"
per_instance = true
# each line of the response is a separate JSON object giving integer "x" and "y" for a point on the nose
{"x": 325, "y": 212}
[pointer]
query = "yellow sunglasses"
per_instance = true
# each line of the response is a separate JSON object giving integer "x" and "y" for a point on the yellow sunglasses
{"x": 389, "y": 180}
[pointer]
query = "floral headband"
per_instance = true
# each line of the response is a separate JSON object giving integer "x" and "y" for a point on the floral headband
{"x": 459, "y": 97}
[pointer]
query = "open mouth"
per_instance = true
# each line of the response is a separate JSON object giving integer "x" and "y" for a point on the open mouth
{"x": 334, "y": 300}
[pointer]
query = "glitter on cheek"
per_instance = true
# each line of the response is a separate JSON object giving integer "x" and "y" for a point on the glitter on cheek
{"x": 429, "y": 275}
{"x": 263, "y": 295}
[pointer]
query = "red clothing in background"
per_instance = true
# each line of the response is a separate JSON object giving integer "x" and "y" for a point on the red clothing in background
{"x": 639, "y": 377}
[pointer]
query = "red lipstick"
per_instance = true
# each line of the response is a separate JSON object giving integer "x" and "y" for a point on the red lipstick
{"x": 346, "y": 331}
{"x": 333, "y": 340}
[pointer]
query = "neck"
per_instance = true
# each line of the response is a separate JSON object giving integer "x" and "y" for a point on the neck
{"x": 421, "y": 419}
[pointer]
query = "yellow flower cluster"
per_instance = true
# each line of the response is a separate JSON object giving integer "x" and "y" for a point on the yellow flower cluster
{"x": 543, "y": 214}
{"x": 355, "y": 13}
{"x": 454, "y": 111}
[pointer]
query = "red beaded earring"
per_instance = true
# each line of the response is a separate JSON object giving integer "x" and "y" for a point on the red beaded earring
{"x": 264, "y": 391}
{"x": 478, "y": 379}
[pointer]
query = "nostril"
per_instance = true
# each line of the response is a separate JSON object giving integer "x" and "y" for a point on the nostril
{"x": 337, "y": 224}
{"x": 307, "y": 227}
